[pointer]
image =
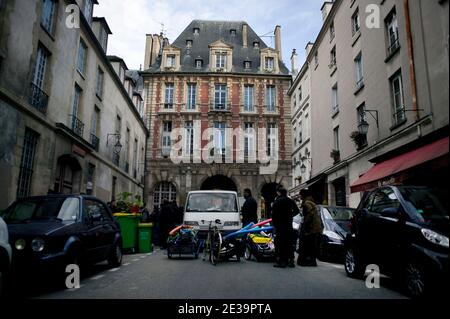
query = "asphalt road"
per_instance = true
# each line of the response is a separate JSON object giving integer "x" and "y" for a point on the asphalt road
{"x": 155, "y": 276}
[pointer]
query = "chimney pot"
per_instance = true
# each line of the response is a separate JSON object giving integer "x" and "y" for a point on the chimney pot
{"x": 244, "y": 35}
{"x": 277, "y": 34}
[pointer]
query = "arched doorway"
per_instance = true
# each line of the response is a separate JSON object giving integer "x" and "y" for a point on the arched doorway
{"x": 269, "y": 193}
{"x": 68, "y": 175}
{"x": 221, "y": 182}
{"x": 162, "y": 191}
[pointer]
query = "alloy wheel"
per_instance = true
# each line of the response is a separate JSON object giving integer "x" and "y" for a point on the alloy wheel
{"x": 414, "y": 279}
{"x": 350, "y": 261}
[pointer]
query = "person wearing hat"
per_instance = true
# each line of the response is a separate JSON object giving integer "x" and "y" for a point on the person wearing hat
{"x": 249, "y": 209}
{"x": 283, "y": 211}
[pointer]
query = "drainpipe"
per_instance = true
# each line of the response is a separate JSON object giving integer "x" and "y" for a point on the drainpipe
{"x": 412, "y": 70}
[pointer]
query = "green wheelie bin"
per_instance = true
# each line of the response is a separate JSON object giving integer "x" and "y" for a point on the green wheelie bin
{"x": 128, "y": 228}
{"x": 145, "y": 237}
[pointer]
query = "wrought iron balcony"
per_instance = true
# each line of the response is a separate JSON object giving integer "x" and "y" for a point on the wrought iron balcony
{"x": 77, "y": 126}
{"x": 220, "y": 107}
{"x": 38, "y": 99}
{"x": 95, "y": 141}
{"x": 134, "y": 173}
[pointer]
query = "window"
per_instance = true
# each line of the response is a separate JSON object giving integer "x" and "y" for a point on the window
{"x": 220, "y": 97}
{"x": 162, "y": 191}
{"x": 192, "y": 91}
{"x": 189, "y": 147}
{"x": 127, "y": 150}
{"x": 300, "y": 133}
{"x": 198, "y": 63}
{"x": 170, "y": 63}
{"x": 332, "y": 31}
{"x": 82, "y": 55}
{"x": 92, "y": 208}
{"x": 385, "y": 198}
{"x": 248, "y": 98}
{"x": 361, "y": 113}
{"x": 168, "y": 104}
{"x": 221, "y": 60}
{"x": 307, "y": 125}
{"x": 196, "y": 30}
{"x": 359, "y": 71}
{"x": 336, "y": 138}
{"x": 334, "y": 99}
{"x": 269, "y": 63}
{"x": 233, "y": 32}
{"x": 90, "y": 179}
{"x": 247, "y": 65}
{"x": 135, "y": 158}
{"x": 88, "y": 6}
{"x": 167, "y": 130}
{"x": 76, "y": 101}
{"x": 40, "y": 67}
{"x": 270, "y": 98}
{"x": 100, "y": 80}
{"x": 48, "y": 15}
{"x": 300, "y": 93}
{"x": 249, "y": 139}
{"x": 94, "y": 128}
{"x": 356, "y": 25}
{"x": 256, "y": 44}
{"x": 219, "y": 138}
{"x": 397, "y": 98}
{"x": 333, "y": 57}
{"x": 188, "y": 43}
{"x": 392, "y": 33}
{"x": 103, "y": 39}
{"x": 27, "y": 163}
{"x": 316, "y": 58}
{"x": 271, "y": 139}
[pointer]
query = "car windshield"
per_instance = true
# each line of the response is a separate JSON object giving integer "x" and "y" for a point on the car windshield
{"x": 338, "y": 213}
{"x": 64, "y": 209}
{"x": 426, "y": 203}
{"x": 212, "y": 202}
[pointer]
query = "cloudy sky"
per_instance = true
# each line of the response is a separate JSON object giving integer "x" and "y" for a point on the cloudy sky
{"x": 131, "y": 20}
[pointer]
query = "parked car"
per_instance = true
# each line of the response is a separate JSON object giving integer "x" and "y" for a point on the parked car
{"x": 56, "y": 230}
{"x": 5, "y": 256}
{"x": 202, "y": 207}
{"x": 404, "y": 231}
{"x": 336, "y": 223}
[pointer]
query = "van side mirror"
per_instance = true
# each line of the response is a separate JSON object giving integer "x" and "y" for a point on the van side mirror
{"x": 392, "y": 212}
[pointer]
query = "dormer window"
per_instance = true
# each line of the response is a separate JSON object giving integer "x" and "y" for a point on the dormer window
{"x": 88, "y": 8}
{"x": 256, "y": 44}
{"x": 188, "y": 43}
{"x": 233, "y": 31}
{"x": 221, "y": 60}
{"x": 198, "y": 63}
{"x": 269, "y": 63}
{"x": 196, "y": 30}
{"x": 247, "y": 65}
{"x": 170, "y": 61}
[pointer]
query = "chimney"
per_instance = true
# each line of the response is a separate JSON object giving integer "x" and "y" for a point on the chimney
{"x": 294, "y": 62}
{"x": 326, "y": 8}
{"x": 277, "y": 34}
{"x": 308, "y": 48}
{"x": 244, "y": 35}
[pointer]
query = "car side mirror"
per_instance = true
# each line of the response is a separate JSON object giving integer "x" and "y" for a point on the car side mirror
{"x": 392, "y": 212}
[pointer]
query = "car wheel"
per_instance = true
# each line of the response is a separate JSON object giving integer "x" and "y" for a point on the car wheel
{"x": 248, "y": 253}
{"x": 115, "y": 258}
{"x": 353, "y": 267}
{"x": 415, "y": 280}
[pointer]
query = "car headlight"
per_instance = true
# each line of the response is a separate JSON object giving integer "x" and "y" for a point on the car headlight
{"x": 20, "y": 244}
{"x": 38, "y": 244}
{"x": 435, "y": 238}
{"x": 189, "y": 223}
{"x": 332, "y": 235}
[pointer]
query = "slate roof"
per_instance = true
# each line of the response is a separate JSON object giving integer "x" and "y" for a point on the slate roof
{"x": 210, "y": 32}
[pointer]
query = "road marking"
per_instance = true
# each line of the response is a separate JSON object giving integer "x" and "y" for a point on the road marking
{"x": 97, "y": 277}
{"x": 114, "y": 269}
{"x": 74, "y": 289}
{"x": 135, "y": 259}
{"x": 142, "y": 257}
{"x": 126, "y": 264}
{"x": 336, "y": 266}
{"x": 149, "y": 254}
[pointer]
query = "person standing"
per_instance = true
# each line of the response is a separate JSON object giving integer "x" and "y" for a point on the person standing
{"x": 249, "y": 209}
{"x": 165, "y": 222}
{"x": 283, "y": 211}
{"x": 310, "y": 231}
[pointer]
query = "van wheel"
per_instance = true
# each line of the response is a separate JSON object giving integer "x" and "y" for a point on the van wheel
{"x": 415, "y": 280}
{"x": 115, "y": 257}
{"x": 353, "y": 267}
{"x": 248, "y": 253}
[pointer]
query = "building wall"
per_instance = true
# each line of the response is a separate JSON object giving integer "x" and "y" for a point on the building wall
{"x": 56, "y": 136}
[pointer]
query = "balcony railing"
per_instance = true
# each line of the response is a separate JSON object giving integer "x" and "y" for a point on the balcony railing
{"x": 95, "y": 142}
{"x": 220, "y": 107}
{"x": 394, "y": 45}
{"x": 76, "y": 125}
{"x": 399, "y": 116}
{"x": 38, "y": 99}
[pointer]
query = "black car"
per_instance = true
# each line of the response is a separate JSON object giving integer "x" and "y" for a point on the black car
{"x": 336, "y": 223}
{"x": 404, "y": 231}
{"x": 56, "y": 230}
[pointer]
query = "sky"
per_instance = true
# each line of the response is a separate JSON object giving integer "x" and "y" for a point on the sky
{"x": 131, "y": 20}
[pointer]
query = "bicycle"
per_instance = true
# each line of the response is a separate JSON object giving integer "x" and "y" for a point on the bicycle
{"x": 213, "y": 243}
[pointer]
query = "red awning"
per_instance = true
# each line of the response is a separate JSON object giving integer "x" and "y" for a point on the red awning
{"x": 389, "y": 168}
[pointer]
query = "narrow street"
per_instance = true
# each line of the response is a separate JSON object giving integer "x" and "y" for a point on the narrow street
{"x": 155, "y": 276}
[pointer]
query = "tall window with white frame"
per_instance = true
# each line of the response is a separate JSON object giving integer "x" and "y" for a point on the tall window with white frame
{"x": 270, "y": 63}
{"x": 334, "y": 99}
{"x": 127, "y": 150}
{"x": 398, "y": 103}
{"x": 249, "y": 140}
{"x": 270, "y": 98}
{"x": 166, "y": 139}
{"x": 94, "y": 128}
{"x": 219, "y": 138}
{"x": 336, "y": 139}
{"x": 103, "y": 39}
{"x": 38, "y": 98}
{"x": 300, "y": 133}
{"x": 356, "y": 23}
{"x": 48, "y": 15}
{"x": 221, "y": 60}
{"x": 170, "y": 61}
{"x": 88, "y": 9}
{"x": 135, "y": 158}
{"x": 82, "y": 56}
{"x": 192, "y": 95}
{"x": 76, "y": 124}
{"x": 220, "y": 97}
{"x": 392, "y": 33}
{"x": 332, "y": 31}
{"x": 27, "y": 163}
{"x": 100, "y": 81}
{"x": 359, "y": 75}
{"x": 189, "y": 138}
{"x": 248, "y": 98}
{"x": 168, "y": 102}
{"x": 271, "y": 139}
{"x": 333, "y": 59}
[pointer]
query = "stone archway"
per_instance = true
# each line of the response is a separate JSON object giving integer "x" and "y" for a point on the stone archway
{"x": 220, "y": 182}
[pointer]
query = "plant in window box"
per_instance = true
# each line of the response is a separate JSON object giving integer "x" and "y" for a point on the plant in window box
{"x": 335, "y": 155}
{"x": 359, "y": 139}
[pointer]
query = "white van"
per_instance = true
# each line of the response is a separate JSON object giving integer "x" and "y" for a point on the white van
{"x": 202, "y": 207}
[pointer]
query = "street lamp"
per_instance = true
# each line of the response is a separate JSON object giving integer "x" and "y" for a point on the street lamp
{"x": 303, "y": 169}
{"x": 118, "y": 146}
{"x": 363, "y": 127}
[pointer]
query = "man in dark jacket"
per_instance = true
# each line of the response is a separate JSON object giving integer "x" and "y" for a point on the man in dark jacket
{"x": 249, "y": 209}
{"x": 283, "y": 211}
{"x": 310, "y": 231}
{"x": 165, "y": 222}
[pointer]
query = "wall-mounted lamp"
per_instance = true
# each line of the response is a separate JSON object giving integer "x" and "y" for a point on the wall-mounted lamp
{"x": 117, "y": 147}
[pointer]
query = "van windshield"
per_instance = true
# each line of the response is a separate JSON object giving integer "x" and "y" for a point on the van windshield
{"x": 212, "y": 202}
